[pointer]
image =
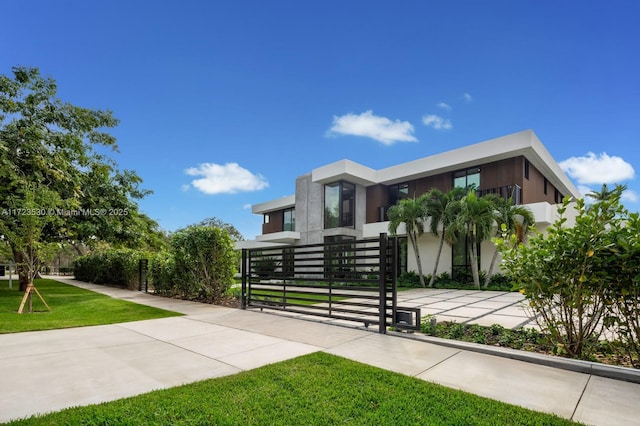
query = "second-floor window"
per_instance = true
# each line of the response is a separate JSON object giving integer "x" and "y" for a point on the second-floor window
{"x": 289, "y": 220}
{"x": 339, "y": 205}
{"x": 397, "y": 193}
{"x": 469, "y": 178}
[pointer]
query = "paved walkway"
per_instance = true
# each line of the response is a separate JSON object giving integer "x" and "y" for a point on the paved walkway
{"x": 49, "y": 370}
{"x": 469, "y": 306}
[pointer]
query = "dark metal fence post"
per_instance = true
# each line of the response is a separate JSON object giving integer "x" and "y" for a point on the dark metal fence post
{"x": 243, "y": 290}
{"x": 143, "y": 268}
{"x": 382, "y": 284}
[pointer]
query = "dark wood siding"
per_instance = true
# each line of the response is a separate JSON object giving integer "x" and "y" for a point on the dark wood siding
{"x": 501, "y": 173}
{"x": 493, "y": 175}
{"x": 276, "y": 221}
{"x": 377, "y": 197}
{"x": 533, "y": 188}
{"x": 443, "y": 182}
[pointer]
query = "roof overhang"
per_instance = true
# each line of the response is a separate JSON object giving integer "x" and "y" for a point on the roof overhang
{"x": 344, "y": 170}
{"x": 524, "y": 143}
{"x": 279, "y": 204}
{"x": 255, "y": 244}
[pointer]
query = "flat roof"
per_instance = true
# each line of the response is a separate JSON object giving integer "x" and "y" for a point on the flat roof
{"x": 277, "y": 204}
{"x": 524, "y": 143}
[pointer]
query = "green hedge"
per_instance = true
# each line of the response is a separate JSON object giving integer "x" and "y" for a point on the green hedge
{"x": 162, "y": 273}
{"x": 118, "y": 267}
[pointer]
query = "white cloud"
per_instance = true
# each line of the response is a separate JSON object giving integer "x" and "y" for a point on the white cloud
{"x": 227, "y": 179}
{"x": 467, "y": 97}
{"x": 375, "y": 127}
{"x": 597, "y": 169}
{"x": 630, "y": 196}
{"x": 444, "y": 106}
{"x": 437, "y": 122}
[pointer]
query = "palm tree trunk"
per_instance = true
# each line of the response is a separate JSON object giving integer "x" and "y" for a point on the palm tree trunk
{"x": 435, "y": 268}
{"x": 474, "y": 263}
{"x": 414, "y": 243}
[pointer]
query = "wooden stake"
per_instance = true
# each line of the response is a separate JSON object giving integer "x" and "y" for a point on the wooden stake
{"x": 27, "y": 295}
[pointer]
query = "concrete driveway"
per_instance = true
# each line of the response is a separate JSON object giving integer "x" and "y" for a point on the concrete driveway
{"x": 508, "y": 309}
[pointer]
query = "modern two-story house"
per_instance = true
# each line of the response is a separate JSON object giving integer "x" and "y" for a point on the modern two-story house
{"x": 346, "y": 200}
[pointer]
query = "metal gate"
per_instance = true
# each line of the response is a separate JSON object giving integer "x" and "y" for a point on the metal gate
{"x": 351, "y": 280}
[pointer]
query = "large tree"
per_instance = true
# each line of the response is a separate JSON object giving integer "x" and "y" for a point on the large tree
{"x": 55, "y": 184}
{"x": 413, "y": 213}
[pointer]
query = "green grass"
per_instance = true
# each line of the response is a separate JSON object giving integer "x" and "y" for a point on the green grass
{"x": 277, "y": 296}
{"x": 316, "y": 389}
{"x": 70, "y": 307}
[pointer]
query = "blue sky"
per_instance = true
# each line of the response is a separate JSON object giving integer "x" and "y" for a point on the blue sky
{"x": 223, "y": 103}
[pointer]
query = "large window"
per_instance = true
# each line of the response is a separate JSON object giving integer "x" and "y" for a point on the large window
{"x": 469, "y": 178}
{"x": 397, "y": 193}
{"x": 289, "y": 220}
{"x": 461, "y": 260}
{"x": 339, "y": 205}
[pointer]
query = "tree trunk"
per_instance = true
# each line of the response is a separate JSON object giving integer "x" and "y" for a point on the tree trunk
{"x": 79, "y": 249}
{"x": 24, "y": 278}
{"x": 474, "y": 264}
{"x": 414, "y": 243}
{"x": 435, "y": 268}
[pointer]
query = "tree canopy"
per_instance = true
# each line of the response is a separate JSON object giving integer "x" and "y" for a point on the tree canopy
{"x": 56, "y": 184}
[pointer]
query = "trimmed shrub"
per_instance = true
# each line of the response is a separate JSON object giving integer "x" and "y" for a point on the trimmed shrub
{"x": 205, "y": 262}
{"x": 117, "y": 267}
{"x": 162, "y": 273}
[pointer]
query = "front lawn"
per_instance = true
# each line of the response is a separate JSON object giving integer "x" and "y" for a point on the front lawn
{"x": 316, "y": 389}
{"x": 70, "y": 307}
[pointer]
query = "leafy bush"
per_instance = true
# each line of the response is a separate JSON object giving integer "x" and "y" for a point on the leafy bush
{"x": 622, "y": 263}
{"x": 501, "y": 282}
{"x": 265, "y": 267}
{"x": 205, "y": 262}
{"x": 162, "y": 273}
{"x": 580, "y": 279}
{"x": 409, "y": 279}
{"x": 118, "y": 267}
{"x": 498, "y": 282}
{"x": 494, "y": 335}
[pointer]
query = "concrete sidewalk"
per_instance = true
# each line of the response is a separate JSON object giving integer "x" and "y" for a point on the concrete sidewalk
{"x": 50, "y": 370}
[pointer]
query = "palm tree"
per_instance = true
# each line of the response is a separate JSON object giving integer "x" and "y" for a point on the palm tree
{"x": 473, "y": 219}
{"x": 437, "y": 202}
{"x": 412, "y": 212}
{"x": 604, "y": 194}
{"x": 516, "y": 219}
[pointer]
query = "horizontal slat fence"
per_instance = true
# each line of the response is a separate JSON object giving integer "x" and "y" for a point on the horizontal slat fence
{"x": 350, "y": 280}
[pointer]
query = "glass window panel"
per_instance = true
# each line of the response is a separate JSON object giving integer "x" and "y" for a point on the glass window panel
{"x": 289, "y": 220}
{"x": 403, "y": 191}
{"x": 467, "y": 178}
{"x": 460, "y": 182}
{"x": 473, "y": 180}
{"x": 339, "y": 205}
{"x": 332, "y": 205}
